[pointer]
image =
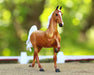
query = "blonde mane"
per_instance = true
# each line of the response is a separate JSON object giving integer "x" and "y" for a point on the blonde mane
{"x": 49, "y": 19}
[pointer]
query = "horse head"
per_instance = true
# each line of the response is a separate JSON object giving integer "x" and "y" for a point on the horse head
{"x": 57, "y": 15}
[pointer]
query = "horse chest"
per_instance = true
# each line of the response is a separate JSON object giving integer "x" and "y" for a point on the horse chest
{"x": 45, "y": 42}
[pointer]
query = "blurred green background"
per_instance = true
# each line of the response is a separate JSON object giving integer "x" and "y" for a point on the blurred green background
{"x": 17, "y": 16}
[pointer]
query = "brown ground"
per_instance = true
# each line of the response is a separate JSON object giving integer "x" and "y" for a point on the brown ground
{"x": 66, "y": 69}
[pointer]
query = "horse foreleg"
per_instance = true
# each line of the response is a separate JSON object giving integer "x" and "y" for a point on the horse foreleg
{"x": 58, "y": 44}
{"x": 55, "y": 59}
{"x": 57, "y": 49}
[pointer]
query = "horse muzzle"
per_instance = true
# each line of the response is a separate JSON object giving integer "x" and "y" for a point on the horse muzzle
{"x": 61, "y": 24}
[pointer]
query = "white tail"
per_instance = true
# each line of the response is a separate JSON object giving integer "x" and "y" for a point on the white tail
{"x": 28, "y": 42}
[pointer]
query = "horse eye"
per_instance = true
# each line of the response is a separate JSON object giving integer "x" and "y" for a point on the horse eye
{"x": 56, "y": 14}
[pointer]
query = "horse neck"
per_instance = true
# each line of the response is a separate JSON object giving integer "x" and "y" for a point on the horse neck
{"x": 52, "y": 26}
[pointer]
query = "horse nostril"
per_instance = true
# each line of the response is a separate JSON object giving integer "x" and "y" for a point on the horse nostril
{"x": 60, "y": 25}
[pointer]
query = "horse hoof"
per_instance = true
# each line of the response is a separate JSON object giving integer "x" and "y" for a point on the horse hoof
{"x": 42, "y": 70}
{"x": 56, "y": 50}
{"x": 30, "y": 65}
{"x": 57, "y": 70}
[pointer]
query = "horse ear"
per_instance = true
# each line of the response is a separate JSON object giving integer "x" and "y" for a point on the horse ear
{"x": 57, "y": 7}
{"x": 60, "y": 7}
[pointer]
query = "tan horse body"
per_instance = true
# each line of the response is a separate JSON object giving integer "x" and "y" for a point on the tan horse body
{"x": 48, "y": 38}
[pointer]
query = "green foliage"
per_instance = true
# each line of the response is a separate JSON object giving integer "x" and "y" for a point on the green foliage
{"x": 75, "y": 13}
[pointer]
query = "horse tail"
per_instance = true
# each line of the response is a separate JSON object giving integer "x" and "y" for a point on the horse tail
{"x": 28, "y": 42}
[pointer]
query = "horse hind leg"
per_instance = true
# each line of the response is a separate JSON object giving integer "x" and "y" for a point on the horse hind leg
{"x": 33, "y": 63}
{"x": 37, "y": 58}
{"x": 36, "y": 51}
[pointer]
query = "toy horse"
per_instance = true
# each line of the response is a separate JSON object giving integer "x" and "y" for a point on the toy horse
{"x": 48, "y": 38}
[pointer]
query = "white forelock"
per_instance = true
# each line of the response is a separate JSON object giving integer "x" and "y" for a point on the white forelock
{"x": 51, "y": 16}
{"x": 61, "y": 17}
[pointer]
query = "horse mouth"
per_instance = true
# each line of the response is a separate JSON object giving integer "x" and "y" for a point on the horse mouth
{"x": 60, "y": 25}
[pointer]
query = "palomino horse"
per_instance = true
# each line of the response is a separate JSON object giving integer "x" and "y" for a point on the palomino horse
{"x": 48, "y": 38}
